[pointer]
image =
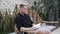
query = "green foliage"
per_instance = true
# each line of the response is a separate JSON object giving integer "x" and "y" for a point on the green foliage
{"x": 38, "y": 8}
{"x": 47, "y": 9}
{"x": 58, "y": 13}
{"x": 7, "y": 21}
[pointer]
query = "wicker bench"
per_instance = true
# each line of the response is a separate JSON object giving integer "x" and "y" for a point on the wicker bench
{"x": 37, "y": 19}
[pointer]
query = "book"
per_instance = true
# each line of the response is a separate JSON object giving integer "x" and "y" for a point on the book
{"x": 44, "y": 27}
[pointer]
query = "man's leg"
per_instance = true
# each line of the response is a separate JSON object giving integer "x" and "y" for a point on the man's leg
{"x": 43, "y": 32}
{"x": 40, "y": 32}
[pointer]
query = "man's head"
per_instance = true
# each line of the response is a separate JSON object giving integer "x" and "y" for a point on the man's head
{"x": 23, "y": 8}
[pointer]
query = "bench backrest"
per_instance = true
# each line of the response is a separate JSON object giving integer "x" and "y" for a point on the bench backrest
{"x": 34, "y": 16}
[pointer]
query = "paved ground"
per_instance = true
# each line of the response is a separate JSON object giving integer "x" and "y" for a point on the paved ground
{"x": 57, "y": 31}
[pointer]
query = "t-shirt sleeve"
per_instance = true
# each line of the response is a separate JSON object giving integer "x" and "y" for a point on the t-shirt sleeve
{"x": 18, "y": 23}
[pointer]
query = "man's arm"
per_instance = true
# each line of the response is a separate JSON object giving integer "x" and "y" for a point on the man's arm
{"x": 23, "y": 29}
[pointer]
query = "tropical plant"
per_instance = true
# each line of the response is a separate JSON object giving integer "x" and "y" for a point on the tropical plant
{"x": 58, "y": 13}
{"x": 38, "y": 8}
{"x": 7, "y": 21}
{"x": 47, "y": 9}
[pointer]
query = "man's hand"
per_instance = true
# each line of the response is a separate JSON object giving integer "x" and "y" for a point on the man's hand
{"x": 33, "y": 24}
{"x": 33, "y": 28}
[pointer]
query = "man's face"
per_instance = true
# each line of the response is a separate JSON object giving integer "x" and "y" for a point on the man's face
{"x": 23, "y": 9}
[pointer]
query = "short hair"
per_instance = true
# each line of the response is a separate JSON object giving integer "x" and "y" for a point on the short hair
{"x": 22, "y": 5}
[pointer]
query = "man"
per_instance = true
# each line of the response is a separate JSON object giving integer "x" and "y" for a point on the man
{"x": 24, "y": 23}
